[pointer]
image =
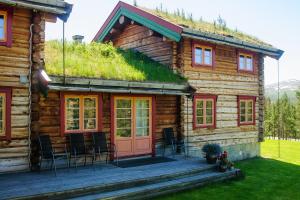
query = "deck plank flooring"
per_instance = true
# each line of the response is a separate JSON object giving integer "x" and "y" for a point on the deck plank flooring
{"x": 32, "y": 183}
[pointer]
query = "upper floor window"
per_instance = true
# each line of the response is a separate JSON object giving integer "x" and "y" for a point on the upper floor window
{"x": 81, "y": 113}
{"x": 245, "y": 62}
{"x": 5, "y": 111}
{"x": 204, "y": 111}
{"x": 246, "y": 110}
{"x": 5, "y": 26}
{"x": 202, "y": 55}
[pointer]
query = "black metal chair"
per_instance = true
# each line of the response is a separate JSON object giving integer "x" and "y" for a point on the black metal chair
{"x": 78, "y": 148}
{"x": 100, "y": 145}
{"x": 47, "y": 152}
{"x": 170, "y": 140}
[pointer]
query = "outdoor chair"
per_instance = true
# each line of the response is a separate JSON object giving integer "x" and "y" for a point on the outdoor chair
{"x": 47, "y": 152}
{"x": 100, "y": 145}
{"x": 78, "y": 148}
{"x": 170, "y": 140}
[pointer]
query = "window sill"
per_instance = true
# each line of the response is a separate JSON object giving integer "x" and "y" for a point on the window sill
{"x": 246, "y": 71}
{"x": 204, "y": 126}
{"x": 247, "y": 124}
{"x": 202, "y": 66}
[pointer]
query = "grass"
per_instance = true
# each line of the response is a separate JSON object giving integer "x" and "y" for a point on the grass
{"x": 268, "y": 177}
{"x": 104, "y": 61}
{"x": 177, "y": 18}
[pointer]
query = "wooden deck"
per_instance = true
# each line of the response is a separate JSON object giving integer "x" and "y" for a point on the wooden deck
{"x": 88, "y": 180}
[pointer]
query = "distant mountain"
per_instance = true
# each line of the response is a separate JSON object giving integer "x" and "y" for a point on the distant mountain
{"x": 288, "y": 86}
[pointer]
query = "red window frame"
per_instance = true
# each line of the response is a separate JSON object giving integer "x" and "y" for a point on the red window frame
{"x": 63, "y": 96}
{"x": 246, "y": 98}
{"x": 249, "y": 54}
{"x": 204, "y": 97}
{"x": 8, "y": 98}
{"x": 8, "y": 32}
{"x": 203, "y": 45}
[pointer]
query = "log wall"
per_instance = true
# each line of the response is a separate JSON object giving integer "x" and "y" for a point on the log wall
{"x": 225, "y": 81}
{"x": 14, "y": 61}
{"x": 143, "y": 40}
{"x": 167, "y": 115}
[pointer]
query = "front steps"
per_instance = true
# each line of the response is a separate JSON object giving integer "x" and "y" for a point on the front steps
{"x": 114, "y": 183}
{"x": 163, "y": 187}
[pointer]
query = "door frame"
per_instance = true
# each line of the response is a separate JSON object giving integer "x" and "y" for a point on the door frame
{"x": 153, "y": 120}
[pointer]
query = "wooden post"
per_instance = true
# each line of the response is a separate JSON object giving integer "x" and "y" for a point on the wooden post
{"x": 38, "y": 46}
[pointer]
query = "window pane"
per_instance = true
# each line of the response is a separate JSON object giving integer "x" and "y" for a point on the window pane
{"x": 209, "y": 119}
{"x": 142, "y": 117}
{"x": 249, "y": 64}
{"x": 72, "y": 113}
{"x": 209, "y": 104}
{"x": 200, "y": 112}
{"x": 90, "y": 113}
{"x": 1, "y": 27}
{"x": 242, "y": 107}
{"x": 123, "y": 103}
{"x": 123, "y": 113}
{"x": 243, "y": 118}
{"x": 207, "y": 57}
{"x": 200, "y": 120}
{"x": 250, "y": 118}
{"x": 1, "y": 115}
{"x": 242, "y": 62}
{"x": 199, "y": 104}
{"x": 198, "y": 56}
{"x": 208, "y": 111}
{"x": 124, "y": 132}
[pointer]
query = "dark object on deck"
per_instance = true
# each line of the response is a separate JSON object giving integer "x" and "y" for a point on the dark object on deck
{"x": 48, "y": 152}
{"x": 78, "y": 148}
{"x": 100, "y": 145}
{"x": 143, "y": 161}
{"x": 170, "y": 140}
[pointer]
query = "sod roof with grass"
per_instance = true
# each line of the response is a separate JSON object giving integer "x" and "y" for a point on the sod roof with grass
{"x": 179, "y": 17}
{"x": 104, "y": 61}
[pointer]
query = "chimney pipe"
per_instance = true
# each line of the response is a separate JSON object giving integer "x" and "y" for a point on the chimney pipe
{"x": 77, "y": 38}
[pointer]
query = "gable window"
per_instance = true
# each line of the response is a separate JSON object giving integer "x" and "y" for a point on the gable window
{"x": 246, "y": 110}
{"x": 204, "y": 111}
{"x": 5, "y": 111}
{"x": 202, "y": 55}
{"x": 5, "y": 26}
{"x": 245, "y": 62}
{"x": 81, "y": 113}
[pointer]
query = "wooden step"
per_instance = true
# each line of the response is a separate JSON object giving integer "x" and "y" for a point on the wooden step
{"x": 116, "y": 186}
{"x": 163, "y": 187}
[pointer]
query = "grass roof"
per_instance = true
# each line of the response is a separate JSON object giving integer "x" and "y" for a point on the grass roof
{"x": 104, "y": 61}
{"x": 218, "y": 27}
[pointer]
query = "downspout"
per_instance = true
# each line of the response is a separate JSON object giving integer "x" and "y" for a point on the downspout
{"x": 29, "y": 97}
{"x": 278, "y": 109}
{"x": 64, "y": 68}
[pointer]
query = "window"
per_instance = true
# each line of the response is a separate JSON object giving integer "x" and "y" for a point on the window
{"x": 202, "y": 55}
{"x": 5, "y": 26}
{"x": 5, "y": 112}
{"x": 245, "y": 62}
{"x": 246, "y": 110}
{"x": 204, "y": 111}
{"x": 81, "y": 113}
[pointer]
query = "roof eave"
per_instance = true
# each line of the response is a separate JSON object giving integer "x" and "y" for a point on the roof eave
{"x": 214, "y": 38}
{"x": 116, "y": 86}
{"x": 62, "y": 11}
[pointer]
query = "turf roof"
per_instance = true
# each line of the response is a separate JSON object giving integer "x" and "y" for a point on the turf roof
{"x": 180, "y": 18}
{"x": 104, "y": 61}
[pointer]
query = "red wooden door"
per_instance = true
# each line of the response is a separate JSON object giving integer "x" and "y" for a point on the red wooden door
{"x": 133, "y": 125}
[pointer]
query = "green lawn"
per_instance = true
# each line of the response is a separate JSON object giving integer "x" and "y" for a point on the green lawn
{"x": 268, "y": 177}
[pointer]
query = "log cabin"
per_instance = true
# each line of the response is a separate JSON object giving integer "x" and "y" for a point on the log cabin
{"x": 22, "y": 37}
{"x": 204, "y": 81}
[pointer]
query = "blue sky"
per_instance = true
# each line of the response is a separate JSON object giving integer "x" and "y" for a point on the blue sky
{"x": 274, "y": 21}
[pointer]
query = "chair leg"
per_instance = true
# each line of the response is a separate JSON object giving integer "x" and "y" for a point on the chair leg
{"x": 53, "y": 162}
{"x": 107, "y": 157}
{"x": 41, "y": 161}
{"x": 84, "y": 159}
{"x": 75, "y": 160}
{"x": 164, "y": 151}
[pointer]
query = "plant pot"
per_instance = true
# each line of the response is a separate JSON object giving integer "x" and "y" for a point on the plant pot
{"x": 211, "y": 159}
{"x": 222, "y": 168}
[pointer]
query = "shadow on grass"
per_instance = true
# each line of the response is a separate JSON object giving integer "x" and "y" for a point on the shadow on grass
{"x": 264, "y": 179}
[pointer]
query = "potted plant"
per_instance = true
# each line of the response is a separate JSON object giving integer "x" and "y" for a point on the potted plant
{"x": 224, "y": 163}
{"x": 211, "y": 151}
